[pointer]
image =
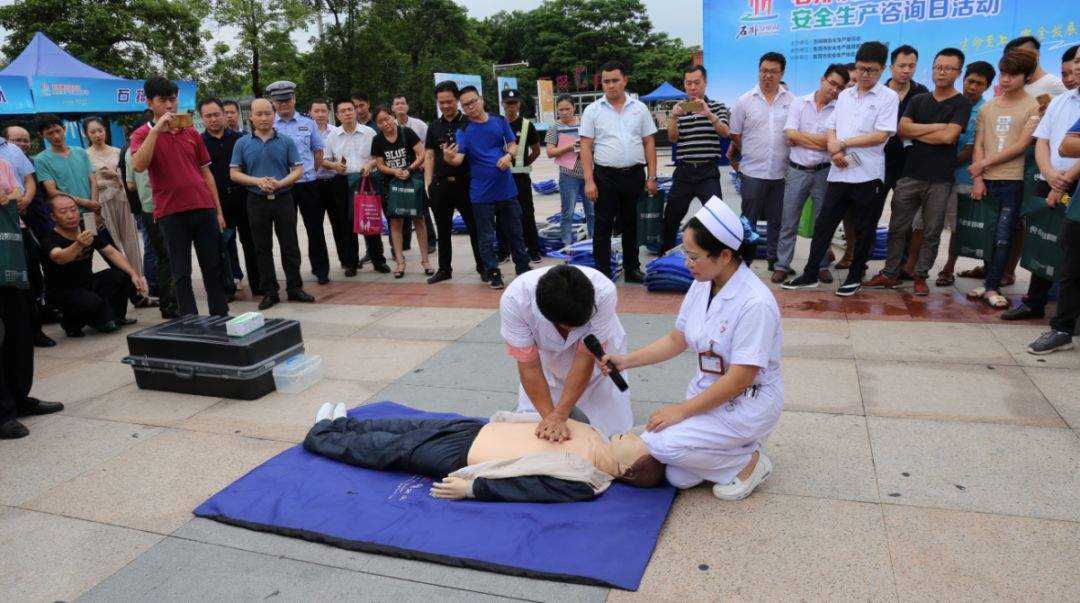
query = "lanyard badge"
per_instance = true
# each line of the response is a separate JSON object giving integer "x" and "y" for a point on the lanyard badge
{"x": 711, "y": 362}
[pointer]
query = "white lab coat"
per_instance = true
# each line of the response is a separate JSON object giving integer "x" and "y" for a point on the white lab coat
{"x": 523, "y": 326}
{"x": 742, "y": 325}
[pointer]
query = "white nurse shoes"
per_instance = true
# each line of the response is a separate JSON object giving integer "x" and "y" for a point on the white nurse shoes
{"x": 737, "y": 489}
{"x": 325, "y": 412}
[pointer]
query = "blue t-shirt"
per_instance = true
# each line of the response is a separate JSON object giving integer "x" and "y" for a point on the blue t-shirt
{"x": 483, "y": 144}
{"x": 275, "y": 158}
{"x": 967, "y": 137}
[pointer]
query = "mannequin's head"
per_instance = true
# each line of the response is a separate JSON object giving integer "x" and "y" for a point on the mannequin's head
{"x": 636, "y": 466}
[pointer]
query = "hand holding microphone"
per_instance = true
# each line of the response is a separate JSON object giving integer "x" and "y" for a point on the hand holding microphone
{"x": 593, "y": 345}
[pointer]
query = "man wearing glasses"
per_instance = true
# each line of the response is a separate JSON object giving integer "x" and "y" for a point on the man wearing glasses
{"x": 933, "y": 122}
{"x": 760, "y": 147}
{"x": 808, "y": 164}
{"x": 864, "y": 118}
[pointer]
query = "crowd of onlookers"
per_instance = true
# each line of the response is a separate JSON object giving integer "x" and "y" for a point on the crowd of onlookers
{"x": 846, "y": 145}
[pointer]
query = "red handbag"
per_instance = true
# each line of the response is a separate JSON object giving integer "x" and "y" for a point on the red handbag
{"x": 367, "y": 206}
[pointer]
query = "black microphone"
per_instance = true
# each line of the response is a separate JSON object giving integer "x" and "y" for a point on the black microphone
{"x": 597, "y": 350}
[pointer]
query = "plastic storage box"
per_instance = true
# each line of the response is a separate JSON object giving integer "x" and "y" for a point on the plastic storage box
{"x": 297, "y": 373}
{"x": 195, "y": 355}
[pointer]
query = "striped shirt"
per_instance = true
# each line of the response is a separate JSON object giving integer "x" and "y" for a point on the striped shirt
{"x": 698, "y": 140}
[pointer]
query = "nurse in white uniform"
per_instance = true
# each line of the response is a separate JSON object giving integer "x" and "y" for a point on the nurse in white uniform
{"x": 546, "y": 313}
{"x": 730, "y": 320}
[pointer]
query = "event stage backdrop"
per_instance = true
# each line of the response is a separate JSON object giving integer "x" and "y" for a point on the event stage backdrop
{"x": 813, "y": 33}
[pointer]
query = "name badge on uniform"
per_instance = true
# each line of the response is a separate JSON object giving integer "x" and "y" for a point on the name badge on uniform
{"x": 711, "y": 362}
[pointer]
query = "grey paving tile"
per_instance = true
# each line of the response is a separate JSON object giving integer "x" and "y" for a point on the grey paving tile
{"x": 470, "y": 402}
{"x": 54, "y": 558}
{"x": 1062, "y": 388}
{"x": 954, "y": 392}
{"x": 485, "y": 332}
{"x": 927, "y": 342}
{"x": 643, "y": 329}
{"x": 60, "y": 448}
{"x": 816, "y": 338}
{"x": 483, "y": 366}
{"x": 1008, "y": 469}
{"x": 822, "y": 455}
{"x": 956, "y": 556}
{"x": 212, "y": 532}
{"x": 821, "y": 385}
{"x": 183, "y": 570}
{"x": 768, "y": 547}
{"x": 1016, "y": 338}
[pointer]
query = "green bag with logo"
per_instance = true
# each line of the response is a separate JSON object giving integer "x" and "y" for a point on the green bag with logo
{"x": 12, "y": 253}
{"x": 975, "y": 224}
{"x": 1042, "y": 243}
{"x": 650, "y": 225}
{"x": 404, "y": 198}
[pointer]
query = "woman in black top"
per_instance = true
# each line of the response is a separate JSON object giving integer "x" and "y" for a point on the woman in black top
{"x": 399, "y": 154}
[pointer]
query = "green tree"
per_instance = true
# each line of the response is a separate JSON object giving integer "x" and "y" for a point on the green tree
{"x": 127, "y": 38}
{"x": 260, "y": 25}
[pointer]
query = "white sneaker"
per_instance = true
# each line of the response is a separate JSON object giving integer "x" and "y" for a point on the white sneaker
{"x": 325, "y": 412}
{"x": 339, "y": 411}
{"x": 737, "y": 489}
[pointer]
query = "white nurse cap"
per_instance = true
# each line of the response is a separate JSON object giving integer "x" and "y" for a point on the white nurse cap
{"x": 721, "y": 222}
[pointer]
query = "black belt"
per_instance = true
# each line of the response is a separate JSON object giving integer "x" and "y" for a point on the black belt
{"x": 624, "y": 169}
{"x": 695, "y": 164}
{"x": 811, "y": 168}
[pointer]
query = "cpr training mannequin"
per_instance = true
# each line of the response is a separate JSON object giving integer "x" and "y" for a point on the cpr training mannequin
{"x": 730, "y": 319}
{"x": 545, "y": 314}
{"x": 498, "y": 461}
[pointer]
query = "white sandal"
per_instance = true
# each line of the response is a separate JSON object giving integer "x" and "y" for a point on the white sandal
{"x": 997, "y": 301}
{"x": 976, "y": 293}
{"x": 738, "y": 489}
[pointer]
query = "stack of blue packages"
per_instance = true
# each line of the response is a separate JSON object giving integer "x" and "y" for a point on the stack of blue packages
{"x": 551, "y": 236}
{"x": 385, "y": 226}
{"x": 668, "y": 273}
{"x": 881, "y": 244}
{"x": 457, "y": 226}
{"x": 736, "y": 182}
{"x": 546, "y": 187}
{"x": 580, "y": 254}
{"x": 556, "y": 218}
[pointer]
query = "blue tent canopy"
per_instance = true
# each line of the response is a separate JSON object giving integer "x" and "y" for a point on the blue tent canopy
{"x": 46, "y": 79}
{"x": 665, "y": 92}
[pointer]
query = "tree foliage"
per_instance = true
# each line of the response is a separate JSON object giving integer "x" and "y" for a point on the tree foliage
{"x": 263, "y": 28}
{"x": 127, "y": 38}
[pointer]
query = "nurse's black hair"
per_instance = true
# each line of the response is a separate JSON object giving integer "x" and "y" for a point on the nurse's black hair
{"x": 565, "y": 296}
{"x": 712, "y": 245}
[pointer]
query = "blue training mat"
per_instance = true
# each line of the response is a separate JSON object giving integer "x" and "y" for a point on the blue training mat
{"x": 606, "y": 541}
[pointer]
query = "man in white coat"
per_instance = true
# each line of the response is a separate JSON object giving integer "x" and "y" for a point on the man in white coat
{"x": 546, "y": 314}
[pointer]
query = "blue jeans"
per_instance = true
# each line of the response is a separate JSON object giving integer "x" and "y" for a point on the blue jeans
{"x": 1008, "y": 194}
{"x": 570, "y": 188}
{"x": 509, "y": 215}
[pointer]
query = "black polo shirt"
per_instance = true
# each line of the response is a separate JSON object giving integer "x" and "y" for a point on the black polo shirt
{"x": 221, "y": 150}
{"x": 442, "y": 131}
{"x": 895, "y": 151}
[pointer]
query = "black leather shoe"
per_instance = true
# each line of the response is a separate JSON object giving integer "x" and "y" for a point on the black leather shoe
{"x": 439, "y": 276}
{"x": 350, "y": 272}
{"x": 323, "y": 280}
{"x": 74, "y": 332}
{"x": 127, "y": 321}
{"x": 634, "y": 276}
{"x": 535, "y": 257}
{"x": 1022, "y": 312}
{"x": 301, "y": 296}
{"x": 364, "y": 260}
{"x": 40, "y": 407}
{"x": 170, "y": 314}
{"x": 384, "y": 268}
{"x": 269, "y": 301}
{"x": 13, "y": 430}
{"x": 484, "y": 277}
{"x": 41, "y": 340}
{"x": 107, "y": 327}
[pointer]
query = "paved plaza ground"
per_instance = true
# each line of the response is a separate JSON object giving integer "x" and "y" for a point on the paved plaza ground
{"x": 922, "y": 454}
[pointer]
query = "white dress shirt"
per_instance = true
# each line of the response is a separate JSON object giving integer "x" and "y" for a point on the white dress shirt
{"x": 355, "y": 147}
{"x": 617, "y": 135}
{"x": 761, "y": 124}
{"x": 804, "y": 117}
{"x": 1060, "y": 115}
{"x": 418, "y": 126}
{"x": 855, "y": 114}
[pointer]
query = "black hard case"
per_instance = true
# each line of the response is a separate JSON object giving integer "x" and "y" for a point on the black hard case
{"x": 194, "y": 355}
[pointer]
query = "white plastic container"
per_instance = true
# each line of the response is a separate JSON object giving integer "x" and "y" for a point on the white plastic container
{"x": 244, "y": 324}
{"x": 298, "y": 373}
